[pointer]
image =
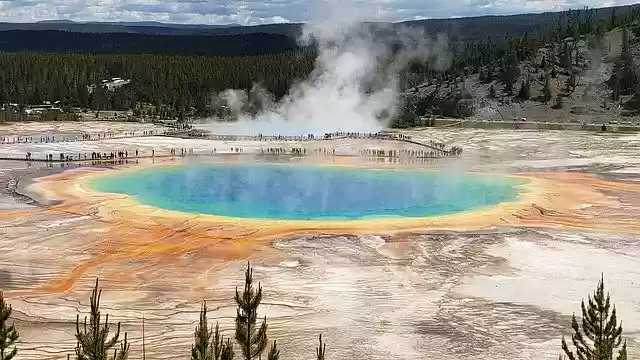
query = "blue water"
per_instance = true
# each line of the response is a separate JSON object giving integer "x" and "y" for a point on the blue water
{"x": 271, "y": 191}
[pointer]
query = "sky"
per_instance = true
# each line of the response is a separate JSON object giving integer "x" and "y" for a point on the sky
{"x": 254, "y": 12}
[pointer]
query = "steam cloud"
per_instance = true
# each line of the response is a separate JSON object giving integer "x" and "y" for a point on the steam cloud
{"x": 354, "y": 86}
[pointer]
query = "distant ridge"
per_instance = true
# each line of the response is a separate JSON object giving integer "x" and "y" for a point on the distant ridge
{"x": 235, "y": 40}
{"x": 137, "y": 23}
{"x": 144, "y": 27}
{"x": 56, "y": 22}
{"x": 463, "y": 28}
{"x": 55, "y": 41}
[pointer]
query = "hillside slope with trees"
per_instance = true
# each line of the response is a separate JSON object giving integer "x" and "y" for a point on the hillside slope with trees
{"x": 584, "y": 70}
{"x": 170, "y": 82}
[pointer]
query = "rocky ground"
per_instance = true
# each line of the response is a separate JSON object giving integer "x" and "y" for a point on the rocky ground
{"x": 590, "y": 102}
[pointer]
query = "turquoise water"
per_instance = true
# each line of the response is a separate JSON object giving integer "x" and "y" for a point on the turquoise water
{"x": 270, "y": 191}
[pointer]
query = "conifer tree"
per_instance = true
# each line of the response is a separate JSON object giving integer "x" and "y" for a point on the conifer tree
{"x": 525, "y": 89}
{"x": 8, "y": 333}
{"x": 93, "y": 341}
{"x": 624, "y": 75}
{"x": 546, "y": 89}
{"x": 209, "y": 344}
{"x": 202, "y": 336}
{"x": 217, "y": 343}
{"x": 510, "y": 72}
{"x": 490, "y": 74}
{"x": 508, "y": 88}
{"x": 571, "y": 83}
{"x": 559, "y": 102}
{"x": 482, "y": 75}
{"x": 252, "y": 339}
{"x": 321, "y": 349}
{"x": 614, "y": 82}
{"x": 227, "y": 351}
{"x": 274, "y": 352}
{"x": 600, "y": 334}
{"x": 613, "y": 20}
{"x": 492, "y": 92}
{"x": 565, "y": 56}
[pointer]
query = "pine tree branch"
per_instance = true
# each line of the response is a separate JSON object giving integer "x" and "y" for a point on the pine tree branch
{"x": 274, "y": 352}
{"x": 227, "y": 351}
{"x": 259, "y": 341}
{"x": 124, "y": 349}
{"x": 622, "y": 354}
{"x": 565, "y": 348}
{"x": 217, "y": 344}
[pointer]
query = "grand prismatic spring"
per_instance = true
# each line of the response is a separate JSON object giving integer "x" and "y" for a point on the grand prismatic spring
{"x": 267, "y": 191}
{"x": 483, "y": 256}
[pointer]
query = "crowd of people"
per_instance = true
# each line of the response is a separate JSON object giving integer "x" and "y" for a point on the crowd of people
{"x": 354, "y": 135}
{"x": 399, "y": 153}
{"x": 259, "y": 137}
{"x": 273, "y": 151}
{"x": 47, "y": 139}
{"x": 295, "y": 151}
{"x": 439, "y": 148}
{"x": 403, "y": 153}
{"x": 111, "y": 155}
{"x": 311, "y": 137}
{"x": 429, "y": 149}
{"x": 183, "y": 152}
{"x": 307, "y": 137}
{"x": 104, "y": 155}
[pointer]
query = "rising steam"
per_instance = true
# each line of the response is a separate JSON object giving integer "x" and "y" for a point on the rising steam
{"x": 353, "y": 87}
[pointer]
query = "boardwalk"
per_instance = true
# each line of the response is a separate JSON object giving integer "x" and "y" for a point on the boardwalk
{"x": 433, "y": 145}
{"x": 52, "y": 139}
{"x": 432, "y": 149}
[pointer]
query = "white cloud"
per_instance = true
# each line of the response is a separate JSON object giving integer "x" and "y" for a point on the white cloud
{"x": 250, "y": 12}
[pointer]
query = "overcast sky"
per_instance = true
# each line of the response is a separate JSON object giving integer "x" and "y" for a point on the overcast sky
{"x": 253, "y": 12}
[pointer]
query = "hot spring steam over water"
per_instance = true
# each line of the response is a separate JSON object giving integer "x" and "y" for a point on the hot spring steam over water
{"x": 271, "y": 191}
